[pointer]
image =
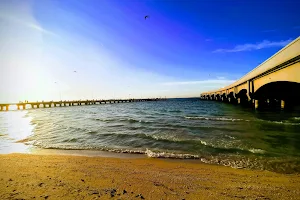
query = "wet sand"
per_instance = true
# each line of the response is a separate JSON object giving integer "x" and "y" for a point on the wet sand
{"x": 25, "y": 176}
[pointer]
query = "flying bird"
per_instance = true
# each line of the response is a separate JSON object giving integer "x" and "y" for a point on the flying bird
{"x": 147, "y": 16}
{"x": 75, "y": 71}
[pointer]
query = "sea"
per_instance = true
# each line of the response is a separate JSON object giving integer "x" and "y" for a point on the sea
{"x": 186, "y": 129}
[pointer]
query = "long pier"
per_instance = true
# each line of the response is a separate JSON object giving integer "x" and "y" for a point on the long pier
{"x": 273, "y": 84}
{"x": 49, "y": 104}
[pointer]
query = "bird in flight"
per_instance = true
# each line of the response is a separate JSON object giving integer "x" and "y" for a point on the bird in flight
{"x": 147, "y": 16}
{"x": 75, "y": 71}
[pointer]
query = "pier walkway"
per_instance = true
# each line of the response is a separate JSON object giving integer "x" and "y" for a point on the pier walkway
{"x": 48, "y": 104}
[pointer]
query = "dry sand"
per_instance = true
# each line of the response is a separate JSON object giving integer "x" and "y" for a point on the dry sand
{"x": 24, "y": 176}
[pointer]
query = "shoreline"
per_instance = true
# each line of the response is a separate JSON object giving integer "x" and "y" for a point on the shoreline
{"x": 127, "y": 154}
{"x": 49, "y": 176}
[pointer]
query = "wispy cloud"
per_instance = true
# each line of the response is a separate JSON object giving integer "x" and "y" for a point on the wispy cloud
{"x": 208, "y": 40}
{"x": 268, "y": 31}
{"x": 203, "y": 82}
{"x": 250, "y": 47}
{"x": 24, "y": 22}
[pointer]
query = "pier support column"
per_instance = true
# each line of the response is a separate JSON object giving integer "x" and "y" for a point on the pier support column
{"x": 24, "y": 107}
{"x": 251, "y": 102}
{"x": 282, "y": 104}
{"x": 256, "y": 104}
{"x": 225, "y": 99}
{"x": 18, "y": 107}
{"x": 7, "y": 107}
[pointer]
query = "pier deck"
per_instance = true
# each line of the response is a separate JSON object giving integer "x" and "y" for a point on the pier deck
{"x": 45, "y": 104}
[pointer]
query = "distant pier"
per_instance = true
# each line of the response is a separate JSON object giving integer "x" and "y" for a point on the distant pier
{"x": 49, "y": 104}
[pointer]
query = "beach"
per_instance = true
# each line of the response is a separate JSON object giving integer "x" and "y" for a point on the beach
{"x": 33, "y": 176}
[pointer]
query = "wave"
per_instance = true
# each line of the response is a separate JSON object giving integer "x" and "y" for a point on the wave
{"x": 260, "y": 151}
{"x": 71, "y": 140}
{"x": 175, "y": 111}
{"x": 238, "y": 162}
{"x": 234, "y": 161}
{"x": 103, "y": 119}
{"x": 129, "y": 120}
{"x": 231, "y": 137}
{"x": 245, "y": 120}
{"x": 285, "y": 123}
{"x": 152, "y": 154}
{"x": 162, "y": 142}
{"x": 215, "y": 118}
{"x": 280, "y": 122}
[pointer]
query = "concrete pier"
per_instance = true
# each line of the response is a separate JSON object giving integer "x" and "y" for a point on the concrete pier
{"x": 275, "y": 84}
{"x": 33, "y": 105}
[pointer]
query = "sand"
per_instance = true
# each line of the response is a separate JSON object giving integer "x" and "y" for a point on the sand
{"x": 26, "y": 176}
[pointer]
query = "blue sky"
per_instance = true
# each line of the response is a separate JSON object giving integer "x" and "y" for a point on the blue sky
{"x": 183, "y": 48}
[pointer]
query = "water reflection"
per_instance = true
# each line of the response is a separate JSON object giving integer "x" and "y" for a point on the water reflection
{"x": 15, "y": 126}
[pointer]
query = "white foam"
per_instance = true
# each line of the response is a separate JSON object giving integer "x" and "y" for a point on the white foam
{"x": 215, "y": 119}
{"x": 152, "y": 154}
{"x": 257, "y": 151}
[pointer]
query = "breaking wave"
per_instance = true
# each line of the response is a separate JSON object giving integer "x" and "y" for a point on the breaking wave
{"x": 215, "y": 118}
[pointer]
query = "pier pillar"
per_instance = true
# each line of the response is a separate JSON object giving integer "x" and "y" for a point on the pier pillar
{"x": 7, "y": 107}
{"x": 1, "y": 108}
{"x": 24, "y": 107}
{"x": 251, "y": 102}
{"x": 256, "y": 104}
{"x": 18, "y": 107}
{"x": 282, "y": 104}
{"x": 224, "y": 99}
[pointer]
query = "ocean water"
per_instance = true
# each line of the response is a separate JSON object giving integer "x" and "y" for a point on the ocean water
{"x": 211, "y": 132}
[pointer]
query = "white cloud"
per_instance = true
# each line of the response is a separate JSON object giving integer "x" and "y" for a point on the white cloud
{"x": 12, "y": 15}
{"x": 203, "y": 82}
{"x": 250, "y": 47}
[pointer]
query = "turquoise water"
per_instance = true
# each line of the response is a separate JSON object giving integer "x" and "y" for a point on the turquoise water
{"x": 211, "y": 132}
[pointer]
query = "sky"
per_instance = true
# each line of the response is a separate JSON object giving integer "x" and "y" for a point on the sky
{"x": 100, "y": 49}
